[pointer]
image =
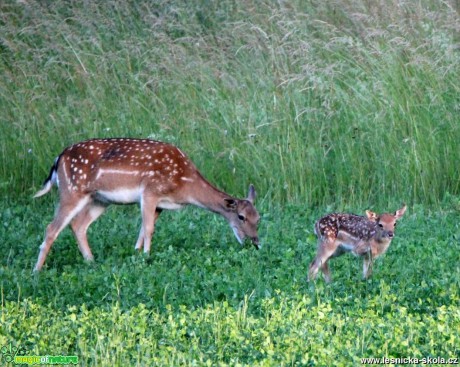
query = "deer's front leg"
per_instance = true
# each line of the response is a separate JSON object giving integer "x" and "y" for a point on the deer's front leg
{"x": 140, "y": 239}
{"x": 149, "y": 215}
{"x": 367, "y": 265}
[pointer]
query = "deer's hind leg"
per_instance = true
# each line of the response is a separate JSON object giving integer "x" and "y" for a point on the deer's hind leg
{"x": 326, "y": 249}
{"x": 326, "y": 272}
{"x": 81, "y": 223}
{"x": 68, "y": 208}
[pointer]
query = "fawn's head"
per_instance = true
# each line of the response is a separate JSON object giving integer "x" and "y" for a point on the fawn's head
{"x": 386, "y": 221}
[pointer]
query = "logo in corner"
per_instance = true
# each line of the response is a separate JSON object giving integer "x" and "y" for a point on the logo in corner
{"x": 9, "y": 352}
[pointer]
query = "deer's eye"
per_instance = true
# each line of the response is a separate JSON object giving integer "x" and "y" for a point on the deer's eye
{"x": 380, "y": 225}
{"x": 241, "y": 217}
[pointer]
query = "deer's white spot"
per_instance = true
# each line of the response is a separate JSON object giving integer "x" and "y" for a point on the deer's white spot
{"x": 167, "y": 203}
{"x": 121, "y": 195}
{"x": 192, "y": 201}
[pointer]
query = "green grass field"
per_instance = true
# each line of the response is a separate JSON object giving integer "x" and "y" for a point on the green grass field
{"x": 202, "y": 299}
{"x": 323, "y": 106}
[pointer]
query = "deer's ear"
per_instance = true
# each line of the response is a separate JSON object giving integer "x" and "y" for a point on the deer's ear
{"x": 251, "y": 194}
{"x": 399, "y": 213}
{"x": 371, "y": 215}
{"x": 230, "y": 204}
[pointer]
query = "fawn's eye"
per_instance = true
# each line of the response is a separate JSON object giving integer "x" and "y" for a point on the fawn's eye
{"x": 241, "y": 217}
{"x": 380, "y": 225}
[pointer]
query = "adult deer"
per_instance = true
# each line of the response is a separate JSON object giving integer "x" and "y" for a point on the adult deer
{"x": 368, "y": 237}
{"x": 96, "y": 173}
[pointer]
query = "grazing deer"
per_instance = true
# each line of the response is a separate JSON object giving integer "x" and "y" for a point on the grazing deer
{"x": 96, "y": 173}
{"x": 340, "y": 233}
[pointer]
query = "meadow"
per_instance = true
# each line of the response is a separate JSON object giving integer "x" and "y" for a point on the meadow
{"x": 323, "y": 106}
{"x": 201, "y": 299}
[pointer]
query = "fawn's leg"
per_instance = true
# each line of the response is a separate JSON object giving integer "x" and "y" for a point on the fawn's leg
{"x": 326, "y": 249}
{"x": 367, "y": 265}
{"x": 326, "y": 272}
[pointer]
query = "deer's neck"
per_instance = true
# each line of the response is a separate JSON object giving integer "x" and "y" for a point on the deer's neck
{"x": 383, "y": 241}
{"x": 210, "y": 198}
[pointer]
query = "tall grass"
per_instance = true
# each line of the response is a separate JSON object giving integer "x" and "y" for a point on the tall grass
{"x": 318, "y": 102}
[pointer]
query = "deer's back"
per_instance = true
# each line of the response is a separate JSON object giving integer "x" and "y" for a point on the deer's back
{"x": 353, "y": 225}
{"x": 112, "y": 163}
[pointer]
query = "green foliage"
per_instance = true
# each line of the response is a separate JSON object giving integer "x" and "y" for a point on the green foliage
{"x": 201, "y": 299}
{"x": 315, "y": 102}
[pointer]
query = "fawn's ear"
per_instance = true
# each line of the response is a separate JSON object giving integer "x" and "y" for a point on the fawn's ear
{"x": 399, "y": 213}
{"x": 371, "y": 215}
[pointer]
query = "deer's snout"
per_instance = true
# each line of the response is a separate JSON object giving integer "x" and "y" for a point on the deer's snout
{"x": 255, "y": 242}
